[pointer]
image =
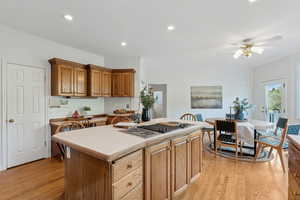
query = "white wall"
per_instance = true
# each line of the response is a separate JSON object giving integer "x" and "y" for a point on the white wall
{"x": 180, "y": 73}
{"x": 21, "y": 48}
{"x": 116, "y": 62}
{"x": 284, "y": 68}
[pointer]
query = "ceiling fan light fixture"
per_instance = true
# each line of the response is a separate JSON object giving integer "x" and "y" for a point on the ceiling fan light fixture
{"x": 238, "y": 53}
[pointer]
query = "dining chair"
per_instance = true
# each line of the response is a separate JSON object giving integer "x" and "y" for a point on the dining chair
{"x": 227, "y": 135}
{"x": 188, "y": 117}
{"x": 118, "y": 119}
{"x": 67, "y": 126}
{"x": 274, "y": 142}
{"x": 205, "y": 130}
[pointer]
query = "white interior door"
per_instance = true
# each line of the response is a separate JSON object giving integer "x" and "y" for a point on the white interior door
{"x": 26, "y": 126}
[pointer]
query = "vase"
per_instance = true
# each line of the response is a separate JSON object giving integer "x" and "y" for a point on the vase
{"x": 145, "y": 115}
{"x": 240, "y": 116}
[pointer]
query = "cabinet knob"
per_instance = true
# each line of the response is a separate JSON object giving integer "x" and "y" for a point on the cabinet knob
{"x": 129, "y": 166}
{"x": 11, "y": 121}
{"x": 129, "y": 184}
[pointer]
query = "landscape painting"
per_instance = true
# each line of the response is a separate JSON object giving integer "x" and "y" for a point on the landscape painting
{"x": 207, "y": 97}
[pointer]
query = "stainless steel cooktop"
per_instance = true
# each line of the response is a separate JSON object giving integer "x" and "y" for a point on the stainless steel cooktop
{"x": 148, "y": 131}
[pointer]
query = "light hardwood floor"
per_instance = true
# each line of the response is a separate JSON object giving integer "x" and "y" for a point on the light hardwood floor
{"x": 222, "y": 179}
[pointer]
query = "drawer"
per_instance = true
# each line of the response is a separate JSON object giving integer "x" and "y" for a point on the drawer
{"x": 135, "y": 194}
{"x": 126, "y": 165}
{"x": 128, "y": 183}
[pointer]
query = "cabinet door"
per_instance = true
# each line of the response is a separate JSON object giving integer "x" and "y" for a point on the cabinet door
{"x": 157, "y": 172}
{"x": 106, "y": 84}
{"x": 95, "y": 83}
{"x": 80, "y": 82}
{"x": 117, "y": 84}
{"x": 195, "y": 142}
{"x": 180, "y": 165}
{"x": 128, "y": 84}
{"x": 65, "y": 79}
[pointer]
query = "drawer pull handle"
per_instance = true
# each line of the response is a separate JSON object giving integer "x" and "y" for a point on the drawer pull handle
{"x": 129, "y": 184}
{"x": 296, "y": 193}
{"x": 129, "y": 166}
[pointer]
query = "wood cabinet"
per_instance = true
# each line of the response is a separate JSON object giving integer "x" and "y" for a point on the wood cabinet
{"x": 123, "y": 83}
{"x": 87, "y": 177}
{"x": 68, "y": 78}
{"x": 74, "y": 79}
{"x": 186, "y": 161}
{"x": 80, "y": 81}
{"x": 157, "y": 172}
{"x": 180, "y": 164}
{"x": 106, "y": 84}
{"x": 294, "y": 172}
{"x": 99, "y": 81}
{"x": 195, "y": 154}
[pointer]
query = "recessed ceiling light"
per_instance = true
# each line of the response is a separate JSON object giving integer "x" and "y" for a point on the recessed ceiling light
{"x": 123, "y": 44}
{"x": 68, "y": 17}
{"x": 252, "y": 1}
{"x": 171, "y": 28}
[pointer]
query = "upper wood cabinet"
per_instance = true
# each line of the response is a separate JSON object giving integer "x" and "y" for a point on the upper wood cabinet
{"x": 74, "y": 79}
{"x": 99, "y": 81}
{"x": 123, "y": 82}
{"x": 157, "y": 172}
{"x": 80, "y": 81}
{"x": 106, "y": 83}
{"x": 68, "y": 78}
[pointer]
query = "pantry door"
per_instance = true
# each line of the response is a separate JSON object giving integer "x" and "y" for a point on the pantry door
{"x": 26, "y": 120}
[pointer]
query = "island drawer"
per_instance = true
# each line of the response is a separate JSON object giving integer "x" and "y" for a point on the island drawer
{"x": 128, "y": 183}
{"x": 126, "y": 165}
{"x": 135, "y": 194}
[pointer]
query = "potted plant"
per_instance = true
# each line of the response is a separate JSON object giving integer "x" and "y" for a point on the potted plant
{"x": 240, "y": 107}
{"x": 87, "y": 110}
{"x": 147, "y": 100}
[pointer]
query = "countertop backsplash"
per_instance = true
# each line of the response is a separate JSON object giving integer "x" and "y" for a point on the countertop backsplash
{"x": 64, "y": 107}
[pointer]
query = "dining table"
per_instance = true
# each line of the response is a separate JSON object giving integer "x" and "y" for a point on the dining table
{"x": 247, "y": 130}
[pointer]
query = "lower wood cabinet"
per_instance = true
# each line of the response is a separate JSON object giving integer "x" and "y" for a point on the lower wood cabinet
{"x": 186, "y": 161}
{"x": 157, "y": 172}
{"x": 294, "y": 172}
{"x": 196, "y": 155}
{"x": 180, "y": 164}
{"x": 171, "y": 166}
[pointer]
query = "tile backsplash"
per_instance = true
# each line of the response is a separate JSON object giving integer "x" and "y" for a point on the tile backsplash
{"x": 72, "y": 104}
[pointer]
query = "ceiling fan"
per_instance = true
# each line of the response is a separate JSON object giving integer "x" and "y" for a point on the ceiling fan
{"x": 250, "y": 46}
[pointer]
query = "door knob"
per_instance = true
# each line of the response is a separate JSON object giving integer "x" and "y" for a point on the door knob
{"x": 11, "y": 121}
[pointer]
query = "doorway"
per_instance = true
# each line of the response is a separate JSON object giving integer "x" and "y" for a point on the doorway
{"x": 25, "y": 114}
{"x": 159, "y": 109}
{"x": 275, "y": 100}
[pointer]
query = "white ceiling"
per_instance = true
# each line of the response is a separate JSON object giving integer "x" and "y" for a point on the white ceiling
{"x": 203, "y": 27}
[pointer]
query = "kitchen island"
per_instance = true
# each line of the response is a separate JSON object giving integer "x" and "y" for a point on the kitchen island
{"x": 106, "y": 163}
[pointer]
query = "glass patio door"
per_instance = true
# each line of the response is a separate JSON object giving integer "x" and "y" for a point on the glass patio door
{"x": 275, "y": 100}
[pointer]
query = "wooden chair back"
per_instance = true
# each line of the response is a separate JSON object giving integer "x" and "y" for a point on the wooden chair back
{"x": 188, "y": 117}
{"x": 282, "y": 125}
{"x": 69, "y": 126}
{"x": 118, "y": 119}
{"x": 226, "y": 126}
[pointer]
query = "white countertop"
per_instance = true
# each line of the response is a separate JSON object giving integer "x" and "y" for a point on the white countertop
{"x": 110, "y": 143}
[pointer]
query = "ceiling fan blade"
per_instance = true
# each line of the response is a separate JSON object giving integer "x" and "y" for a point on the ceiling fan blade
{"x": 264, "y": 41}
{"x": 258, "y": 50}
